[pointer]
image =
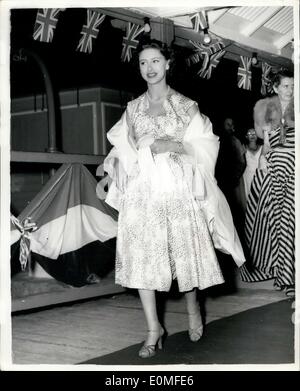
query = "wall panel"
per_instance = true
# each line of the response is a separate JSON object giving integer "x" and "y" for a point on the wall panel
{"x": 85, "y": 116}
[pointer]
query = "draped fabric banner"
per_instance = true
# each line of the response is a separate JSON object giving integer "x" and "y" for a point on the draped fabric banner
{"x": 130, "y": 41}
{"x": 244, "y": 73}
{"x": 45, "y": 24}
{"x": 90, "y": 31}
{"x": 74, "y": 229}
{"x": 266, "y": 85}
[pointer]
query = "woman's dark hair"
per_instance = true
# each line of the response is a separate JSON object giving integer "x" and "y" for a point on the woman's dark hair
{"x": 154, "y": 44}
{"x": 283, "y": 73}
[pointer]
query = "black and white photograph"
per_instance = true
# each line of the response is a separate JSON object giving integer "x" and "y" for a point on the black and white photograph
{"x": 148, "y": 186}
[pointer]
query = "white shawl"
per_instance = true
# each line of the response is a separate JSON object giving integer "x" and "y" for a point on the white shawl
{"x": 202, "y": 146}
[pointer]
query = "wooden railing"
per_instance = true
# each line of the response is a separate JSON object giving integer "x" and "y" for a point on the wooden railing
{"x": 54, "y": 157}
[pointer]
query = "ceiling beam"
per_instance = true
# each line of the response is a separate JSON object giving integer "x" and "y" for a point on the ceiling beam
{"x": 166, "y": 12}
{"x": 253, "y": 26}
{"x": 146, "y": 11}
{"x": 172, "y": 12}
{"x": 281, "y": 42}
{"x": 209, "y": 8}
{"x": 246, "y": 41}
{"x": 233, "y": 51}
{"x": 215, "y": 15}
{"x": 183, "y": 21}
{"x": 121, "y": 13}
{"x": 188, "y": 34}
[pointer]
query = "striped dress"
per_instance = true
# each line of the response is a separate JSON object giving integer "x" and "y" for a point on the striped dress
{"x": 270, "y": 216}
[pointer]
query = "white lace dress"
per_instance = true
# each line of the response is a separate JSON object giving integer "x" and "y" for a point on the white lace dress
{"x": 162, "y": 230}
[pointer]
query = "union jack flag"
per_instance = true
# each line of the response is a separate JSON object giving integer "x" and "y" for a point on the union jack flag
{"x": 45, "y": 24}
{"x": 193, "y": 59}
{"x": 211, "y": 57}
{"x": 199, "y": 21}
{"x": 245, "y": 73}
{"x": 266, "y": 85}
{"x": 90, "y": 31}
{"x": 203, "y": 52}
{"x": 201, "y": 47}
{"x": 129, "y": 41}
{"x": 213, "y": 62}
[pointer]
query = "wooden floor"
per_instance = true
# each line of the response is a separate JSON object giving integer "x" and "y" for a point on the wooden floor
{"x": 72, "y": 333}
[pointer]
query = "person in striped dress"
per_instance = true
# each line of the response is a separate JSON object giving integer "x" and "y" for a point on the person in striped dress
{"x": 270, "y": 214}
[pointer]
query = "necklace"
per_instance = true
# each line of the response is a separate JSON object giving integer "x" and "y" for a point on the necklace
{"x": 158, "y": 100}
{"x": 284, "y": 105}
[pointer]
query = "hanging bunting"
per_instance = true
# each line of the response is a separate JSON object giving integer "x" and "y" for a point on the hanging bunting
{"x": 266, "y": 85}
{"x": 215, "y": 47}
{"x": 204, "y": 52}
{"x": 199, "y": 21}
{"x": 45, "y": 24}
{"x": 129, "y": 41}
{"x": 213, "y": 62}
{"x": 193, "y": 59}
{"x": 90, "y": 31}
{"x": 202, "y": 49}
{"x": 211, "y": 56}
{"x": 245, "y": 73}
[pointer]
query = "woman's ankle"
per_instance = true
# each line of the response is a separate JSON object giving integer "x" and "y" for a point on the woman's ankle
{"x": 195, "y": 319}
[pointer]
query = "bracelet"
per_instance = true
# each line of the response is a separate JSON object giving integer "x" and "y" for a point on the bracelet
{"x": 180, "y": 147}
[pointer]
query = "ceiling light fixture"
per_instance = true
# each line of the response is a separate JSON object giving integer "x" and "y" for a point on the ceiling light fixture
{"x": 254, "y": 60}
{"x": 292, "y": 47}
{"x": 207, "y": 37}
{"x": 147, "y": 26}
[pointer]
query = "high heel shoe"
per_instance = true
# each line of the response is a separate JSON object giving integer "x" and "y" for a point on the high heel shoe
{"x": 148, "y": 351}
{"x": 196, "y": 333}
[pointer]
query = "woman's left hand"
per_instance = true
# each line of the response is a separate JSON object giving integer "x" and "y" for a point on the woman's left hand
{"x": 162, "y": 146}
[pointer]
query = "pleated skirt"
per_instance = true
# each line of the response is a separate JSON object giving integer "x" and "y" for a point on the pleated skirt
{"x": 270, "y": 221}
{"x": 162, "y": 232}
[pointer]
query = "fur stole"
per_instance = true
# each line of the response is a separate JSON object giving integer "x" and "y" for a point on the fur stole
{"x": 268, "y": 111}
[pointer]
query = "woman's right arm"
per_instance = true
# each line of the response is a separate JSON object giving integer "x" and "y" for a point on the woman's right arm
{"x": 266, "y": 146}
{"x": 122, "y": 158}
{"x": 162, "y": 146}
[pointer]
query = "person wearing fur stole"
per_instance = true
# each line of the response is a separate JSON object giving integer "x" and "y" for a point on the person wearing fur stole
{"x": 270, "y": 214}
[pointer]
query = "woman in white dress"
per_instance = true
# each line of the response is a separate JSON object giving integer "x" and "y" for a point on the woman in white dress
{"x": 171, "y": 212}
